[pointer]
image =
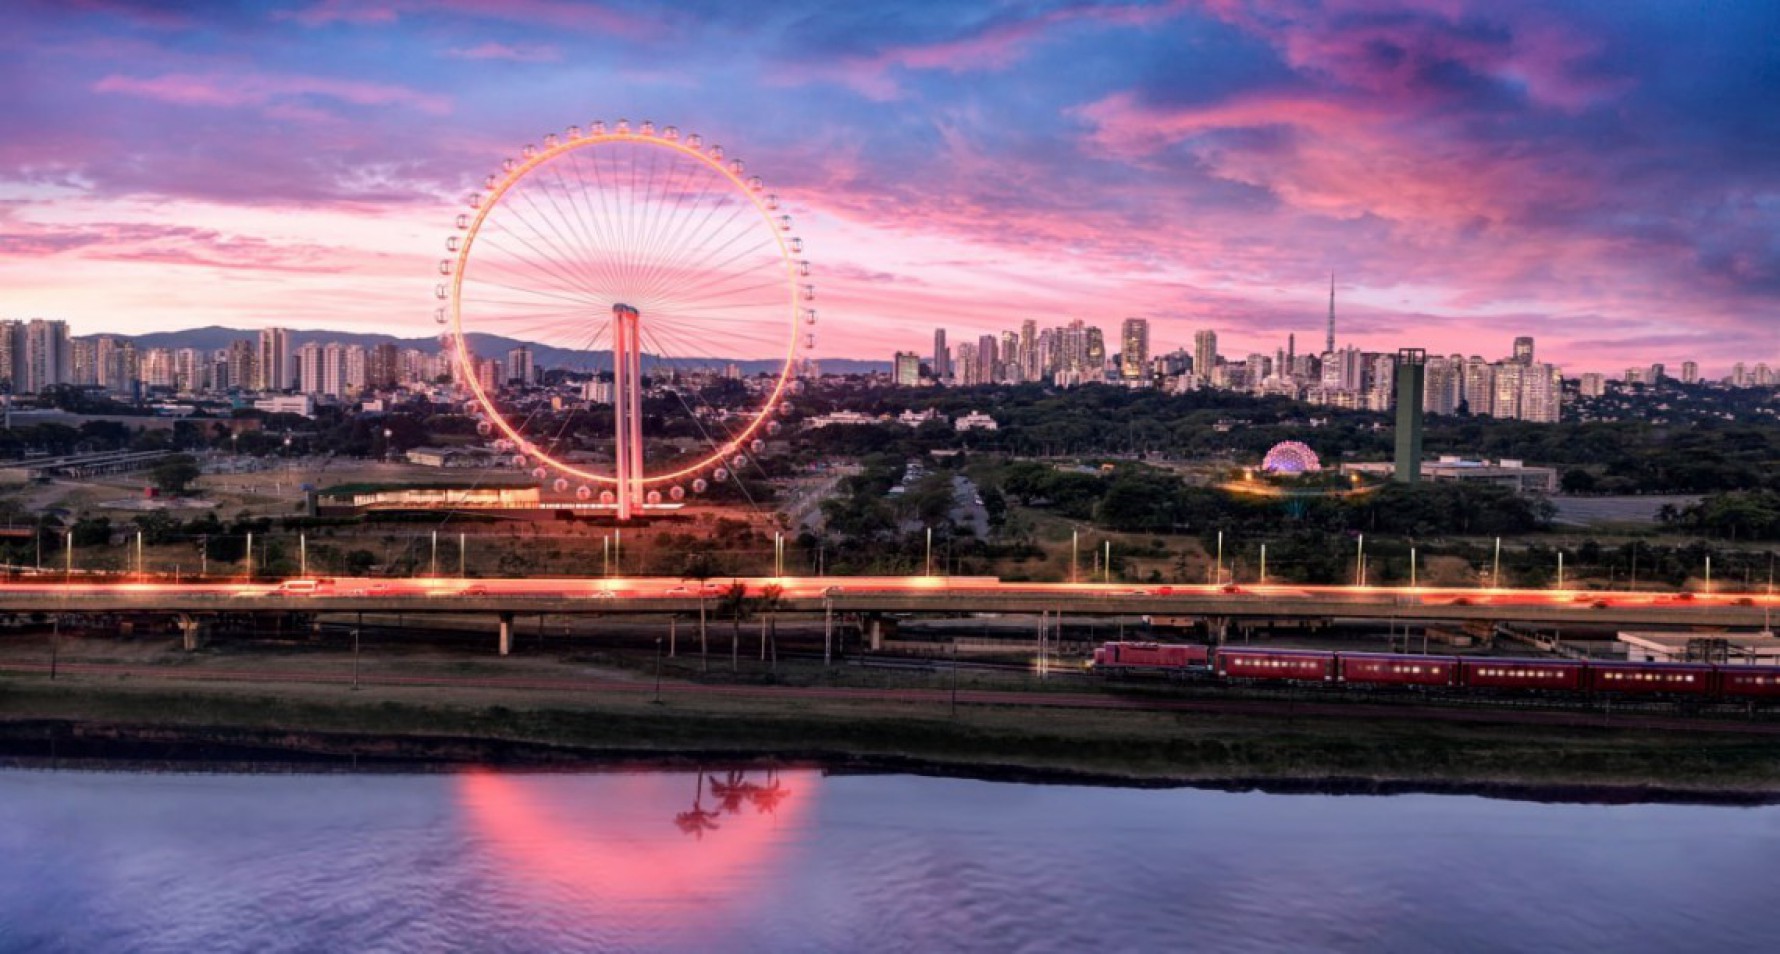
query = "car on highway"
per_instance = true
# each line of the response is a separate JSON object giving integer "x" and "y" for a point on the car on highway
{"x": 373, "y": 589}
{"x": 303, "y": 588}
{"x": 474, "y": 589}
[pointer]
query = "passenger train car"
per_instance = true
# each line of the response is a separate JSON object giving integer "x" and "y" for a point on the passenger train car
{"x": 1476, "y": 673}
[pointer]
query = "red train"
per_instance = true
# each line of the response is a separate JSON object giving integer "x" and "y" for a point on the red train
{"x": 1690, "y": 680}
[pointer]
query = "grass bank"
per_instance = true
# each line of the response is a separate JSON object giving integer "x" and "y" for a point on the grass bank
{"x": 149, "y": 721}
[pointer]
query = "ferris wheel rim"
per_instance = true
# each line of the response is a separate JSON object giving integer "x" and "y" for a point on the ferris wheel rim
{"x": 514, "y": 172}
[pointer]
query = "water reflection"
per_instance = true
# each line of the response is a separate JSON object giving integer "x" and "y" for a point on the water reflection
{"x": 601, "y": 852}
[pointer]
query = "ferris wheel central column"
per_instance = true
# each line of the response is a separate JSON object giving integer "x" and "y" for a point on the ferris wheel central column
{"x": 627, "y": 407}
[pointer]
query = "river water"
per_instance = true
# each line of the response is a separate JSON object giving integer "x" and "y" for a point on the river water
{"x": 802, "y": 861}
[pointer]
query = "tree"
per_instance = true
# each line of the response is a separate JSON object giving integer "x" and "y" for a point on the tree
{"x": 700, "y": 567}
{"x": 734, "y": 601}
{"x": 174, "y": 474}
{"x": 771, "y": 596}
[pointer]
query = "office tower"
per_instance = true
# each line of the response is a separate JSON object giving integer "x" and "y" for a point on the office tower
{"x": 1329, "y": 343}
{"x": 1383, "y": 378}
{"x": 1072, "y": 347}
{"x": 12, "y": 355}
{"x": 1656, "y": 373}
{"x": 988, "y": 351}
{"x": 274, "y": 363}
{"x": 1409, "y": 370}
{"x": 942, "y": 357}
{"x": 1690, "y": 372}
{"x": 908, "y": 369}
{"x": 521, "y": 369}
{"x": 1031, "y": 358}
{"x": 1523, "y": 350}
{"x": 1205, "y": 354}
{"x": 1134, "y": 349}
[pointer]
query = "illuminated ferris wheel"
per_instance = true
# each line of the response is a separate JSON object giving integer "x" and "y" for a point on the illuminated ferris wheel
{"x": 623, "y": 245}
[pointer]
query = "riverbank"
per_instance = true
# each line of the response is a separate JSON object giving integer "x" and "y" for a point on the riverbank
{"x": 310, "y": 727}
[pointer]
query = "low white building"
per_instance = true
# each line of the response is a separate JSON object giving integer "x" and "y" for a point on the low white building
{"x": 975, "y": 421}
{"x": 1513, "y": 474}
{"x": 303, "y": 404}
{"x": 1754, "y": 649}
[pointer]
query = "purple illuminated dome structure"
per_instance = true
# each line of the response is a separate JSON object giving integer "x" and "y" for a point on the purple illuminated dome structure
{"x": 1290, "y": 457}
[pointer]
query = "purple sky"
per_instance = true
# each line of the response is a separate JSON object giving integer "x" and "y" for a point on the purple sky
{"x": 1603, "y": 175}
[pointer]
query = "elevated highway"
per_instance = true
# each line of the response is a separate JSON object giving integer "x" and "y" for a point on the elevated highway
{"x": 886, "y": 595}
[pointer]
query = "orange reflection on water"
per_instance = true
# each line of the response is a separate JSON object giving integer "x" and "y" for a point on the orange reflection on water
{"x": 688, "y": 845}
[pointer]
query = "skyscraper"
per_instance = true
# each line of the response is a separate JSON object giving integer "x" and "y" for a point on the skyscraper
{"x": 1134, "y": 349}
{"x": 274, "y": 364}
{"x": 987, "y": 353}
{"x": 1031, "y": 361}
{"x": 1690, "y": 372}
{"x": 1205, "y": 354}
{"x": 942, "y": 357}
{"x": 1093, "y": 355}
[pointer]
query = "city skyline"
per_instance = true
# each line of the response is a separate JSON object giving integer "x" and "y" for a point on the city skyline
{"x": 1468, "y": 173}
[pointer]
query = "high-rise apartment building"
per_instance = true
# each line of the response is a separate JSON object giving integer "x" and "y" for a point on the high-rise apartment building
{"x": 1205, "y": 354}
{"x": 1134, "y": 349}
{"x": 85, "y": 362}
{"x": 521, "y": 369}
{"x": 942, "y": 357}
{"x": 1031, "y": 361}
{"x": 1442, "y": 384}
{"x": 1523, "y": 350}
{"x": 49, "y": 360}
{"x": 988, "y": 355}
{"x": 1690, "y": 372}
{"x": 1593, "y": 384}
{"x": 968, "y": 366}
{"x": 383, "y": 367}
{"x": 1479, "y": 386}
{"x": 311, "y": 376}
{"x": 907, "y": 369}
{"x": 274, "y": 363}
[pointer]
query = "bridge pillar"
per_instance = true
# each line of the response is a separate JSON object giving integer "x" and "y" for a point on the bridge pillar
{"x": 877, "y": 629}
{"x": 506, "y": 633}
{"x": 1217, "y": 629}
{"x": 191, "y": 631}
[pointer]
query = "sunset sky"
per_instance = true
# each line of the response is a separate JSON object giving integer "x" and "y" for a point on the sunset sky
{"x": 1603, "y": 175}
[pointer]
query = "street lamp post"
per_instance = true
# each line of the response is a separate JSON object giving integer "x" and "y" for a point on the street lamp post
{"x": 1560, "y": 569}
{"x": 1496, "y": 573}
{"x": 1218, "y": 578}
{"x": 1108, "y": 561}
{"x": 302, "y": 554}
{"x": 929, "y": 552}
{"x": 250, "y": 556}
{"x": 462, "y": 556}
{"x": 434, "y": 572}
{"x": 1412, "y": 568}
{"x": 1360, "y": 562}
{"x": 1263, "y": 579}
{"x": 1708, "y": 574}
{"x": 1074, "y": 552}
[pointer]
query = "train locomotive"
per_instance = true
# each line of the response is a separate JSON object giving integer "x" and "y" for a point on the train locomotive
{"x": 1482, "y": 674}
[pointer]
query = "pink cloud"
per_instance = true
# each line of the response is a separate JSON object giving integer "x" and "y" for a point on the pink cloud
{"x": 328, "y": 12}
{"x": 525, "y": 52}
{"x": 557, "y": 14}
{"x": 215, "y": 89}
{"x": 169, "y": 245}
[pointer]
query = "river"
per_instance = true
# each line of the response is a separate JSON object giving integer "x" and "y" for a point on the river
{"x": 804, "y": 861}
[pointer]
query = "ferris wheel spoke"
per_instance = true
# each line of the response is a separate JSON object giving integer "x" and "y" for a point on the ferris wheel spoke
{"x": 668, "y": 222}
{"x": 718, "y": 274}
{"x": 552, "y": 238}
{"x": 599, "y": 221}
{"x": 539, "y": 264}
{"x": 690, "y": 260}
{"x": 591, "y": 254}
{"x": 714, "y": 269}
